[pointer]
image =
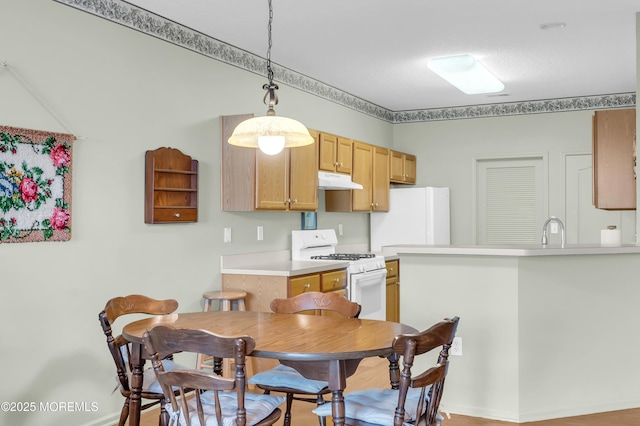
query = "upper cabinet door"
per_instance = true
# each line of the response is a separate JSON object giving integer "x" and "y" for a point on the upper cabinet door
{"x": 272, "y": 180}
{"x": 410, "y": 168}
{"x": 328, "y": 146}
{"x": 335, "y": 153}
{"x": 303, "y": 184}
{"x": 396, "y": 166}
{"x": 362, "y": 174}
{"x": 380, "y": 184}
{"x": 344, "y": 156}
{"x": 614, "y": 180}
{"x": 402, "y": 167}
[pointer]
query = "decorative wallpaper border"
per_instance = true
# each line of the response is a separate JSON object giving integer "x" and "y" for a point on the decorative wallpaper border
{"x": 621, "y": 100}
{"x": 130, "y": 16}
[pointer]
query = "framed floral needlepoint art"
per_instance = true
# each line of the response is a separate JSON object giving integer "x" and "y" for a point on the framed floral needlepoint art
{"x": 35, "y": 185}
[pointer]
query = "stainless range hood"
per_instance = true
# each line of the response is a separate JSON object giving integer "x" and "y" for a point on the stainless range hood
{"x": 328, "y": 180}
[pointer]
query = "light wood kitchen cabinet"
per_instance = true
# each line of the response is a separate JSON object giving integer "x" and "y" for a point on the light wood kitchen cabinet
{"x": 362, "y": 174}
{"x": 253, "y": 180}
{"x": 262, "y": 289}
{"x": 380, "y": 185}
{"x": 335, "y": 153}
{"x": 371, "y": 170}
{"x": 304, "y": 284}
{"x": 333, "y": 281}
{"x": 402, "y": 167}
{"x": 614, "y": 158}
{"x": 393, "y": 290}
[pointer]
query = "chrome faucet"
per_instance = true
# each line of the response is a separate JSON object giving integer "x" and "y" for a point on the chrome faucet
{"x": 544, "y": 230}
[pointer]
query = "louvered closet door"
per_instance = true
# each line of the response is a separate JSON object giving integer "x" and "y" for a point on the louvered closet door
{"x": 511, "y": 200}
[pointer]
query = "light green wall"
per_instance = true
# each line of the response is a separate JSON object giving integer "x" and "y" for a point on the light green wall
{"x": 542, "y": 336}
{"x": 124, "y": 93}
{"x": 447, "y": 150}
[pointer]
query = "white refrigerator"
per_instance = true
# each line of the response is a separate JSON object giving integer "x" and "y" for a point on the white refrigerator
{"x": 415, "y": 216}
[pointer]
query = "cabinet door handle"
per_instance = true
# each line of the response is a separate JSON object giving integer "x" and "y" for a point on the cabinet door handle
{"x": 295, "y": 200}
{"x": 307, "y": 285}
{"x": 337, "y": 280}
{"x": 177, "y": 214}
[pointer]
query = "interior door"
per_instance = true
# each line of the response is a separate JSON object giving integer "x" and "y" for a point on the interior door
{"x": 584, "y": 221}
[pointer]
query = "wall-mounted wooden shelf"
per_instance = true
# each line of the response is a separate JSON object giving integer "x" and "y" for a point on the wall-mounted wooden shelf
{"x": 171, "y": 187}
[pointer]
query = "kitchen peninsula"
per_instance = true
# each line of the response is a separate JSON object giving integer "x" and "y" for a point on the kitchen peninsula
{"x": 270, "y": 275}
{"x": 547, "y": 332}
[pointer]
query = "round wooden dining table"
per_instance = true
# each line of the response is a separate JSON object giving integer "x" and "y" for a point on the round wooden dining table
{"x": 320, "y": 347}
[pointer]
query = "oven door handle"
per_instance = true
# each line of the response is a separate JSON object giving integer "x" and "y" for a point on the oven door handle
{"x": 382, "y": 272}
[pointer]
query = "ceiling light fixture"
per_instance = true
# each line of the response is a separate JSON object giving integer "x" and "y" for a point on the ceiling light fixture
{"x": 553, "y": 26}
{"x": 467, "y": 74}
{"x": 271, "y": 134}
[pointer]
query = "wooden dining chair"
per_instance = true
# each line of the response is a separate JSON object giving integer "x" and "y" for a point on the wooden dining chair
{"x": 213, "y": 398}
{"x": 285, "y": 379}
{"x": 417, "y": 400}
{"x": 120, "y": 350}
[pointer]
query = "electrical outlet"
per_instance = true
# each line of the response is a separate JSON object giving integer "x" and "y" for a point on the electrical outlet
{"x": 456, "y": 346}
{"x": 227, "y": 235}
{"x": 340, "y": 229}
{"x": 260, "y": 233}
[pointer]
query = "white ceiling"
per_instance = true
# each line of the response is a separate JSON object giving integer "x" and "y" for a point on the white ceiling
{"x": 377, "y": 50}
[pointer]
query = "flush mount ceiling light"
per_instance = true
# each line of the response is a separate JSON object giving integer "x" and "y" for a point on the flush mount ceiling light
{"x": 271, "y": 134}
{"x": 553, "y": 26}
{"x": 465, "y": 73}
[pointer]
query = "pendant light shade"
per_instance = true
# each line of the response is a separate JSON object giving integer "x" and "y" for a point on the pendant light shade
{"x": 271, "y": 134}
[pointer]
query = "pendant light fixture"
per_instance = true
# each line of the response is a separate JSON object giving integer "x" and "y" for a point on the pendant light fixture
{"x": 271, "y": 134}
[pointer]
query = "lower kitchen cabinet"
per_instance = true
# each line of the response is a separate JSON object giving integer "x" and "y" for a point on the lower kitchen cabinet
{"x": 393, "y": 290}
{"x": 262, "y": 289}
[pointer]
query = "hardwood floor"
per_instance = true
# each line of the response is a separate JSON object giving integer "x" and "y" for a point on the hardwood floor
{"x": 368, "y": 375}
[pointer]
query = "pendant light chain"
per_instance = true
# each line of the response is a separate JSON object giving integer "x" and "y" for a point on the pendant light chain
{"x": 269, "y": 70}
{"x": 270, "y": 87}
{"x": 270, "y": 134}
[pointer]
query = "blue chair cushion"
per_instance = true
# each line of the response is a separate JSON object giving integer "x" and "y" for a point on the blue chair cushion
{"x": 150, "y": 382}
{"x": 258, "y": 407}
{"x": 287, "y": 377}
{"x": 376, "y": 406}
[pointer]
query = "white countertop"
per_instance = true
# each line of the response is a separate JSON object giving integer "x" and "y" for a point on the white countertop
{"x": 509, "y": 250}
{"x": 287, "y": 268}
{"x": 277, "y": 263}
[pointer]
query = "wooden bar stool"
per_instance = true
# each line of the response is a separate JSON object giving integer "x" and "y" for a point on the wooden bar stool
{"x": 227, "y": 300}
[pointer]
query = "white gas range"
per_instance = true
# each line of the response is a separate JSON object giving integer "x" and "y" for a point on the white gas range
{"x": 366, "y": 273}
